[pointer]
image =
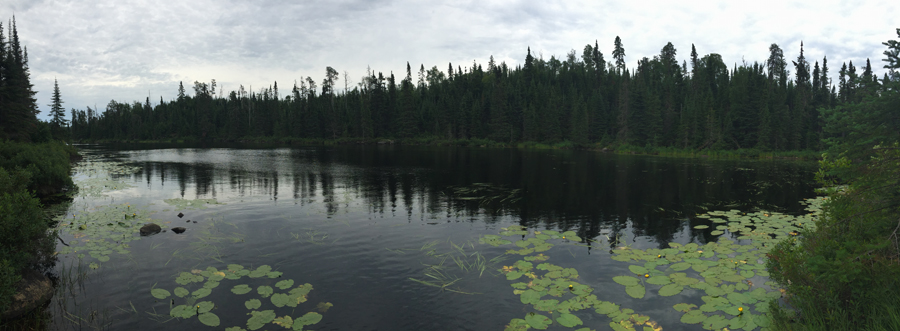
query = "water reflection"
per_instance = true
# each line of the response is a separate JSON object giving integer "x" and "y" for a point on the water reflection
{"x": 590, "y": 192}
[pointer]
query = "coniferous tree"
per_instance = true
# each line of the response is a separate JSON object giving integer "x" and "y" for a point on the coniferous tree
{"x": 619, "y": 54}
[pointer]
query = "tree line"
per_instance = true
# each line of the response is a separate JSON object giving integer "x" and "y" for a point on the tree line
{"x": 583, "y": 99}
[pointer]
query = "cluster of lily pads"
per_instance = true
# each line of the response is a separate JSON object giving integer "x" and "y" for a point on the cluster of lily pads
{"x": 554, "y": 289}
{"x": 722, "y": 270}
{"x": 102, "y": 230}
{"x": 208, "y": 280}
{"x": 96, "y": 177}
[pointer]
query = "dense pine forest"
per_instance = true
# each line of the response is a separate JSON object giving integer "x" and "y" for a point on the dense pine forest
{"x": 582, "y": 98}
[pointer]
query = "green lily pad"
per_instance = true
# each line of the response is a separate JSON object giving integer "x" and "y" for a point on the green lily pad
{"x": 716, "y": 322}
{"x": 285, "y": 284}
{"x": 205, "y": 306}
{"x": 183, "y": 311}
{"x": 530, "y": 296}
{"x": 201, "y": 293}
{"x": 638, "y": 270}
{"x": 309, "y": 318}
{"x": 636, "y": 291}
{"x": 209, "y": 319}
{"x": 684, "y": 307}
{"x": 606, "y": 307}
{"x": 259, "y": 318}
{"x": 670, "y": 290}
{"x": 693, "y": 317}
{"x": 626, "y": 280}
{"x": 181, "y": 292}
{"x": 659, "y": 280}
{"x": 241, "y": 289}
{"x": 537, "y": 321}
{"x": 252, "y": 304}
{"x": 701, "y": 227}
{"x": 280, "y": 299}
{"x": 716, "y": 233}
{"x": 160, "y": 293}
{"x": 568, "y": 320}
{"x": 265, "y": 291}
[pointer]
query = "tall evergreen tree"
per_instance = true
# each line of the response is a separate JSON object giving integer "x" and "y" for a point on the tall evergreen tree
{"x": 619, "y": 54}
{"x": 57, "y": 112}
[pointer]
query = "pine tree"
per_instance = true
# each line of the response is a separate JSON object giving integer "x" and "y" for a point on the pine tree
{"x": 619, "y": 54}
{"x": 57, "y": 112}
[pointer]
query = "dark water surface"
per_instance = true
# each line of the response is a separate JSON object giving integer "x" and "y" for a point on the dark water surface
{"x": 353, "y": 222}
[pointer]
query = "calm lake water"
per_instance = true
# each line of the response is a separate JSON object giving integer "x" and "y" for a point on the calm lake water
{"x": 359, "y": 223}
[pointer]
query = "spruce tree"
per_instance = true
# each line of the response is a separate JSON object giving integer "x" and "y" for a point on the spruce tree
{"x": 57, "y": 112}
{"x": 619, "y": 54}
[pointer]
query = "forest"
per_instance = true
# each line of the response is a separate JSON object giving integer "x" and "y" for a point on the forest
{"x": 583, "y": 99}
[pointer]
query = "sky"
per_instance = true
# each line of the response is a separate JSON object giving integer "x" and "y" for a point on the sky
{"x": 123, "y": 50}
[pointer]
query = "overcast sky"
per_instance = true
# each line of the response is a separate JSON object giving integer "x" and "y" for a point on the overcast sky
{"x": 101, "y": 50}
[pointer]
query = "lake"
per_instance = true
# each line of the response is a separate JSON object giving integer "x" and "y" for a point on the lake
{"x": 384, "y": 237}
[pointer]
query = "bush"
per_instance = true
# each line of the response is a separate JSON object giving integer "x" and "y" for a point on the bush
{"x": 847, "y": 269}
{"x": 22, "y": 230}
{"x": 47, "y": 163}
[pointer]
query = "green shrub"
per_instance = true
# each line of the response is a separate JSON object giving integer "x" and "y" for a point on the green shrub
{"x": 47, "y": 163}
{"x": 23, "y": 230}
{"x": 847, "y": 269}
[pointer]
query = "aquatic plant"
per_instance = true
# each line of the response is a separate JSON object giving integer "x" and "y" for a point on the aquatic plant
{"x": 100, "y": 231}
{"x": 205, "y": 281}
{"x": 195, "y": 204}
{"x": 722, "y": 269}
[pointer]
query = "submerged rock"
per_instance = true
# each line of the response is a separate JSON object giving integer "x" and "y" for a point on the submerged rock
{"x": 178, "y": 229}
{"x": 180, "y": 215}
{"x": 150, "y": 229}
{"x": 33, "y": 290}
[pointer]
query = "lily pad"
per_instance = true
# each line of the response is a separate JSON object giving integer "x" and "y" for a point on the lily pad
{"x": 684, "y": 307}
{"x": 285, "y": 322}
{"x": 568, "y": 320}
{"x": 160, "y": 293}
{"x": 252, "y": 304}
{"x": 701, "y": 227}
{"x": 280, "y": 299}
{"x": 205, "y": 306}
{"x": 670, "y": 290}
{"x": 693, "y": 317}
{"x": 636, "y": 291}
{"x": 259, "y": 318}
{"x": 181, "y": 292}
{"x": 265, "y": 291}
{"x": 309, "y": 318}
{"x": 537, "y": 321}
{"x": 209, "y": 319}
{"x": 626, "y": 280}
{"x": 241, "y": 289}
{"x": 285, "y": 284}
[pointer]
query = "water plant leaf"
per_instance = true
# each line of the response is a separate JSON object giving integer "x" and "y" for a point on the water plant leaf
{"x": 234, "y": 328}
{"x": 680, "y": 266}
{"x": 309, "y": 318}
{"x": 684, "y": 307}
{"x": 204, "y": 306}
{"x": 280, "y": 299}
{"x": 693, "y": 317}
{"x": 517, "y": 324}
{"x": 259, "y": 318}
{"x": 530, "y": 296}
{"x": 284, "y": 322}
{"x": 285, "y": 284}
{"x": 241, "y": 289}
{"x": 181, "y": 292}
{"x": 252, "y": 304}
{"x": 201, "y": 293}
{"x": 636, "y": 291}
{"x": 659, "y": 280}
{"x": 160, "y": 293}
{"x": 638, "y": 270}
{"x": 606, "y": 307}
{"x": 265, "y": 291}
{"x": 568, "y": 320}
{"x": 537, "y": 321}
{"x": 324, "y": 306}
{"x": 209, "y": 319}
{"x": 701, "y": 227}
{"x": 626, "y": 280}
{"x": 715, "y": 322}
{"x": 670, "y": 290}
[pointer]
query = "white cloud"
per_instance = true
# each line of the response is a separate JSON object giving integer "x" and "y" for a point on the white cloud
{"x": 102, "y": 50}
